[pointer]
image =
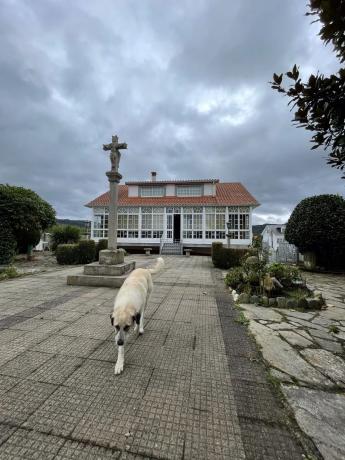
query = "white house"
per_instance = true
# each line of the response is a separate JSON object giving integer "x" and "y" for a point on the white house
{"x": 273, "y": 235}
{"x": 190, "y": 213}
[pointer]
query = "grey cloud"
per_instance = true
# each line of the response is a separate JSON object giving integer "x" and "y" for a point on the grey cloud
{"x": 183, "y": 83}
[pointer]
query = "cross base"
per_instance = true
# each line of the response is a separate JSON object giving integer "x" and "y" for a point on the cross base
{"x": 111, "y": 256}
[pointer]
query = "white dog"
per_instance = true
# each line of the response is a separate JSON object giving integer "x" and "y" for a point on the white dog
{"x": 129, "y": 306}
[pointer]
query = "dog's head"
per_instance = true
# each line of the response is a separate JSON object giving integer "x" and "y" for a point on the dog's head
{"x": 122, "y": 320}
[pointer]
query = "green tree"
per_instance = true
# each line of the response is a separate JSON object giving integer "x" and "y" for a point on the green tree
{"x": 25, "y": 213}
{"x": 319, "y": 102}
{"x": 64, "y": 234}
{"x": 317, "y": 225}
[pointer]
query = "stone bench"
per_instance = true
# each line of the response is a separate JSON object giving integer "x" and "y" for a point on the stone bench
{"x": 187, "y": 251}
{"x": 148, "y": 251}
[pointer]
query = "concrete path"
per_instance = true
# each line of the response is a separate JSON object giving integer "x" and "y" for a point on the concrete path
{"x": 193, "y": 385}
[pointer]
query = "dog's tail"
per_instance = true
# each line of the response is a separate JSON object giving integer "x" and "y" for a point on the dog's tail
{"x": 158, "y": 266}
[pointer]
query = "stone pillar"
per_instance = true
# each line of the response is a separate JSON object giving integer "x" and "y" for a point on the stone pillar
{"x": 112, "y": 255}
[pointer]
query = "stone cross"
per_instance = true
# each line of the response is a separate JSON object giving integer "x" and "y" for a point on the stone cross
{"x": 114, "y": 178}
{"x": 115, "y": 153}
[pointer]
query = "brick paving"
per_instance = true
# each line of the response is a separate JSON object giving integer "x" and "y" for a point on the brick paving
{"x": 193, "y": 386}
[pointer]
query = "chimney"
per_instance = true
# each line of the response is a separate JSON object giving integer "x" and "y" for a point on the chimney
{"x": 153, "y": 176}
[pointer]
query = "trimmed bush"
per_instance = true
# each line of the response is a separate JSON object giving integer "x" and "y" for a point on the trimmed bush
{"x": 102, "y": 244}
{"x": 226, "y": 257}
{"x": 67, "y": 254}
{"x": 64, "y": 234}
{"x": 7, "y": 245}
{"x": 87, "y": 251}
{"x": 317, "y": 226}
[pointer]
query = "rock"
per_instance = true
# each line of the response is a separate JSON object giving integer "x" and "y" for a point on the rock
{"x": 295, "y": 339}
{"x": 243, "y": 297}
{"x": 291, "y": 303}
{"x": 272, "y": 302}
{"x": 281, "y": 302}
{"x": 254, "y": 299}
{"x": 334, "y": 347}
{"x": 329, "y": 364}
{"x": 325, "y": 334}
{"x": 321, "y": 416}
{"x": 302, "y": 303}
{"x": 281, "y": 326}
{"x": 282, "y": 356}
{"x": 313, "y": 304}
{"x": 300, "y": 315}
{"x": 260, "y": 313}
{"x": 280, "y": 376}
{"x": 264, "y": 300}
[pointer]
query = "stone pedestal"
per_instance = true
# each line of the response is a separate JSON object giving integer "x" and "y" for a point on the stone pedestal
{"x": 106, "y": 275}
{"x": 111, "y": 256}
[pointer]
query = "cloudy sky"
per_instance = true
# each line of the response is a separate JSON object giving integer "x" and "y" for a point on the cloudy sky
{"x": 184, "y": 83}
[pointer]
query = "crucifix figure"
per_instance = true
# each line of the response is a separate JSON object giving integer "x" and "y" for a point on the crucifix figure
{"x": 115, "y": 153}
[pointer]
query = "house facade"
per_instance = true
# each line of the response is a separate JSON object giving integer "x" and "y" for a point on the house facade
{"x": 193, "y": 213}
{"x": 273, "y": 235}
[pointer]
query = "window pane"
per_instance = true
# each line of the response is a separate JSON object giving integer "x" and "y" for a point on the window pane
{"x": 189, "y": 190}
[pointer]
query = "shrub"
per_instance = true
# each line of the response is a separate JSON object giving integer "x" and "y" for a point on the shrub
{"x": 226, "y": 257}
{"x": 102, "y": 244}
{"x": 67, "y": 254}
{"x": 286, "y": 274}
{"x": 87, "y": 251}
{"x": 7, "y": 244}
{"x": 8, "y": 273}
{"x": 234, "y": 277}
{"x": 64, "y": 234}
{"x": 25, "y": 213}
{"x": 317, "y": 225}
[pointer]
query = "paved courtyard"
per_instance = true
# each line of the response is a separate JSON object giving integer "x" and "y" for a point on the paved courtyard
{"x": 194, "y": 386}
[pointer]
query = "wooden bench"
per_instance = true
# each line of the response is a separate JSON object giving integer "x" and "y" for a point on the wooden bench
{"x": 148, "y": 251}
{"x": 187, "y": 251}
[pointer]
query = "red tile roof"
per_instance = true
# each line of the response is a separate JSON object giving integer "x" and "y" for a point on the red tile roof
{"x": 184, "y": 181}
{"x": 227, "y": 194}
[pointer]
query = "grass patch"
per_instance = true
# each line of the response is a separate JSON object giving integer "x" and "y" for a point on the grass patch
{"x": 9, "y": 273}
{"x": 241, "y": 319}
{"x": 334, "y": 328}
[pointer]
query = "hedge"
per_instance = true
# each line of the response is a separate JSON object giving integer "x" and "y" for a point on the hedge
{"x": 7, "y": 244}
{"x": 226, "y": 257}
{"x": 67, "y": 254}
{"x": 64, "y": 234}
{"x": 83, "y": 252}
{"x": 87, "y": 251}
{"x": 102, "y": 244}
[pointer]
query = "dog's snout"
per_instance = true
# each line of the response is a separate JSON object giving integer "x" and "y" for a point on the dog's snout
{"x": 120, "y": 342}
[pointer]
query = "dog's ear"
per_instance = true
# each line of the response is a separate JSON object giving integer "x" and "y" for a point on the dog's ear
{"x": 112, "y": 319}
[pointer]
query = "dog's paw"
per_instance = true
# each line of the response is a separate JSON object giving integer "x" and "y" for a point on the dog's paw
{"x": 135, "y": 327}
{"x": 141, "y": 331}
{"x": 118, "y": 368}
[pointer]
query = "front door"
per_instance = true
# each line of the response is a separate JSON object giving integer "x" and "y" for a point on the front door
{"x": 177, "y": 227}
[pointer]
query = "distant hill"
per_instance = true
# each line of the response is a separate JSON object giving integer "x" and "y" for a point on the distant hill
{"x": 76, "y": 223}
{"x": 257, "y": 229}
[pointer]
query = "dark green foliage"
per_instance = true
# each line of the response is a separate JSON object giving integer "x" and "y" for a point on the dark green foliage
{"x": 25, "y": 213}
{"x": 87, "y": 251}
{"x": 284, "y": 273}
{"x": 319, "y": 102}
{"x": 226, "y": 257}
{"x": 64, "y": 234}
{"x": 67, "y": 254}
{"x": 317, "y": 225}
{"x": 102, "y": 244}
{"x": 7, "y": 244}
{"x": 234, "y": 277}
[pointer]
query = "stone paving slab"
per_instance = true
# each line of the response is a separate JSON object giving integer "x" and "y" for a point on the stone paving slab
{"x": 185, "y": 392}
